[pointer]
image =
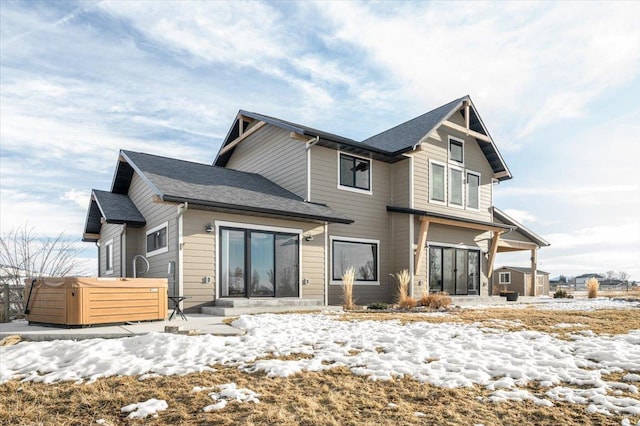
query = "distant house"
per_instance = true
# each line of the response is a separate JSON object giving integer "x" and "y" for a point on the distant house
{"x": 285, "y": 209}
{"x": 581, "y": 280}
{"x": 515, "y": 278}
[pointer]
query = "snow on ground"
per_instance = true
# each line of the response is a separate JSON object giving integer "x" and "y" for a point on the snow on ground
{"x": 141, "y": 410}
{"x": 445, "y": 354}
{"x": 228, "y": 392}
{"x": 546, "y": 303}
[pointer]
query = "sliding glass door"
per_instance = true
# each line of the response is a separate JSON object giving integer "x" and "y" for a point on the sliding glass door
{"x": 454, "y": 270}
{"x": 258, "y": 263}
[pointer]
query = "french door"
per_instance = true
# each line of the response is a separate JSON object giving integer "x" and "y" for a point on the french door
{"x": 258, "y": 263}
{"x": 454, "y": 270}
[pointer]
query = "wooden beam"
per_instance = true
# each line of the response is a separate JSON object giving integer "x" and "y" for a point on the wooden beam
{"x": 90, "y": 236}
{"x": 512, "y": 245}
{"x": 492, "y": 252}
{"x": 422, "y": 241}
{"x": 240, "y": 125}
{"x": 466, "y": 116}
{"x": 470, "y": 132}
{"x": 239, "y": 139}
{"x": 303, "y": 138}
{"x": 501, "y": 174}
{"x": 461, "y": 224}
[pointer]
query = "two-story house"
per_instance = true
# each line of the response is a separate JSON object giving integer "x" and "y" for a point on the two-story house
{"x": 285, "y": 209}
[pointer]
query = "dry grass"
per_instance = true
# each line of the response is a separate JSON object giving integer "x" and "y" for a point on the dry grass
{"x": 592, "y": 288}
{"x": 605, "y": 321}
{"x": 436, "y": 300}
{"x": 403, "y": 279}
{"x": 336, "y": 397}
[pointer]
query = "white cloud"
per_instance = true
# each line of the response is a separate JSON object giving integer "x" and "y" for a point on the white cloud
{"x": 521, "y": 216}
{"x": 615, "y": 235}
{"x": 80, "y": 198}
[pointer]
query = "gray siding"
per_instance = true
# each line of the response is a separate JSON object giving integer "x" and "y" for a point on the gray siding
{"x": 110, "y": 232}
{"x": 369, "y": 212}
{"x": 272, "y": 153}
{"x": 435, "y": 147}
{"x": 400, "y": 180}
{"x": 155, "y": 214}
{"x": 200, "y": 254}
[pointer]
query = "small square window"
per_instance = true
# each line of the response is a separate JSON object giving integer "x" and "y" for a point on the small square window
{"x": 456, "y": 151}
{"x": 505, "y": 278}
{"x": 355, "y": 172}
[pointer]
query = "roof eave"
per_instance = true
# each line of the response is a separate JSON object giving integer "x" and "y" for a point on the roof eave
{"x": 239, "y": 208}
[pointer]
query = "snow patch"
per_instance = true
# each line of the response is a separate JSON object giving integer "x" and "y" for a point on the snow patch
{"x": 141, "y": 410}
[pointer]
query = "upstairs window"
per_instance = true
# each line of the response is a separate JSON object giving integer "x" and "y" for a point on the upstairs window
{"x": 473, "y": 191}
{"x": 157, "y": 240}
{"x": 436, "y": 182}
{"x": 456, "y": 186}
{"x": 355, "y": 173}
{"x": 456, "y": 150}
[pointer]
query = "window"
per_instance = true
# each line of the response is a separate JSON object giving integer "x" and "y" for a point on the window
{"x": 504, "y": 278}
{"x": 362, "y": 255}
{"x": 456, "y": 186}
{"x": 108, "y": 250}
{"x": 271, "y": 257}
{"x": 157, "y": 240}
{"x": 473, "y": 190}
{"x": 355, "y": 172}
{"x": 456, "y": 150}
{"x": 436, "y": 182}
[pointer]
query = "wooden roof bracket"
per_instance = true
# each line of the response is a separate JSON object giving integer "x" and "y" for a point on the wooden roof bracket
{"x": 495, "y": 241}
{"x": 422, "y": 242}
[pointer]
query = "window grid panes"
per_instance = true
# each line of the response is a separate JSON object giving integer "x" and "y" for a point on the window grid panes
{"x": 157, "y": 240}
{"x": 355, "y": 172}
{"x": 437, "y": 182}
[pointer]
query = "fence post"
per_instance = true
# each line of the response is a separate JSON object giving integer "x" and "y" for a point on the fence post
{"x": 6, "y": 303}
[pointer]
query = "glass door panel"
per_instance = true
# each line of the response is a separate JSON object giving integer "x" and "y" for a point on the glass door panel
{"x": 473, "y": 272}
{"x": 287, "y": 284}
{"x": 461, "y": 271}
{"x": 233, "y": 260}
{"x": 448, "y": 270}
{"x": 262, "y": 264}
{"x": 435, "y": 269}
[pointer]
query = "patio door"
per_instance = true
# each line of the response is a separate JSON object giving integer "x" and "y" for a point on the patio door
{"x": 258, "y": 263}
{"x": 454, "y": 270}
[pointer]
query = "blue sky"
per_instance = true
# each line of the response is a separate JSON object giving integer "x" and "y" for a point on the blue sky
{"x": 556, "y": 83}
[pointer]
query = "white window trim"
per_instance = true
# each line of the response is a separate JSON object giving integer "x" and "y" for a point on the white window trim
{"x": 108, "y": 247}
{"x": 352, "y": 189}
{"x": 151, "y": 231}
{"x": 462, "y": 187}
{"x": 354, "y": 240}
{"x": 450, "y": 160}
{"x": 501, "y": 274}
{"x": 445, "y": 177}
{"x": 253, "y": 227}
{"x": 471, "y": 172}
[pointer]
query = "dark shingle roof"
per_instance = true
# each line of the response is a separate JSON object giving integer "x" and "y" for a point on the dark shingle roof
{"x": 387, "y": 146}
{"x": 409, "y": 133}
{"x": 524, "y": 270}
{"x": 218, "y": 187}
{"x": 113, "y": 208}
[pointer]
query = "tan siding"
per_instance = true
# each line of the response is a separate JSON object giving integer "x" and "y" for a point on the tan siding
{"x": 400, "y": 177}
{"x": 200, "y": 256}
{"x": 133, "y": 239}
{"x": 400, "y": 243}
{"x": 435, "y": 147}
{"x": 368, "y": 211}
{"x": 272, "y": 153}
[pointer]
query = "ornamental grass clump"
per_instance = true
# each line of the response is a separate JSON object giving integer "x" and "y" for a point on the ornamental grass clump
{"x": 436, "y": 301}
{"x": 347, "y": 289}
{"x": 403, "y": 278}
{"x": 592, "y": 288}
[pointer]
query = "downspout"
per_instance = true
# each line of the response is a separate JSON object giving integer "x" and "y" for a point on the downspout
{"x": 181, "y": 209}
{"x": 309, "y": 144}
{"x": 411, "y": 230}
{"x": 98, "y": 247}
{"x": 326, "y": 264}
{"x": 123, "y": 251}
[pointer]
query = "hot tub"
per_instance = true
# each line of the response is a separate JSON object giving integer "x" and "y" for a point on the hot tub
{"x": 81, "y": 301}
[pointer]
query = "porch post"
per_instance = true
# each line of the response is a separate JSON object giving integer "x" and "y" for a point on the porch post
{"x": 492, "y": 251}
{"x": 534, "y": 271}
{"x": 422, "y": 240}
